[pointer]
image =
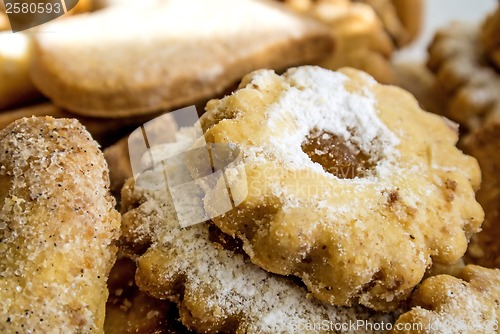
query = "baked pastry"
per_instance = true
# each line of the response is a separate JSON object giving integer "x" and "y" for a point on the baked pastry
{"x": 361, "y": 41}
{"x": 484, "y": 145}
{"x": 104, "y": 131}
{"x": 315, "y": 145}
{"x": 366, "y": 31}
{"x": 4, "y": 21}
{"x": 402, "y": 19}
{"x": 15, "y": 83}
{"x": 445, "y": 304}
{"x": 58, "y": 226}
{"x": 417, "y": 79}
{"x": 471, "y": 83}
{"x": 130, "y": 311}
{"x": 193, "y": 51}
{"x": 490, "y": 37}
{"x": 214, "y": 285}
{"x": 411, "y": 15}
{"x": 118, "y": 158}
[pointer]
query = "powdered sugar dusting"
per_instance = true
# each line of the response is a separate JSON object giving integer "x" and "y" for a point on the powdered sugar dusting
{"x": 225, "y": 283}
{"x": 344, "y": 235}
{"x": 319, "y": 100}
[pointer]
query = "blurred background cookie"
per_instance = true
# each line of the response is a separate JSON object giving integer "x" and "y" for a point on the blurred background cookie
{"x": 417, "y": 79}
{"x": 402, "y": 19}
{"x": 163, "y": 55}
{"x": 4, "y": 21}
{"x": 367, "y": 32}
{"x": 16, "y": 86}
{"x": 104, "y": 131}
{"x": 16, "y": 55}
{"x": 490, "y": 37}
{"x": 484, "y": 145}
{"x": 465, "y": 74}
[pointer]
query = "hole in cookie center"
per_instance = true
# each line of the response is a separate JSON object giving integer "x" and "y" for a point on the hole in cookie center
{"x": 342, "y": 159}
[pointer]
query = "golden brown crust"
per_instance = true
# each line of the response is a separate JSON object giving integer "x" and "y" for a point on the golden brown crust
{"x": 445, "y": 304}
{"x": 177, "y": 64}
{"x": 361, "y": 41}
{"x": 57, "y": 226}
{"x": 388, "y": 14}
{"x": 216, "y": 288}
{"x": 411, "y": 14}
{"x": 307, "y": 231}
{"x": 484, "y": 145}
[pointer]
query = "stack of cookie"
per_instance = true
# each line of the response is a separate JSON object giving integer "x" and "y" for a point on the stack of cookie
{"x": 328, "y": 202}
{"x": 367, "y": 32}
{"x": 334, "y": 207}
{"x": 16, "y": 86}
{"x": 196, "y": 55}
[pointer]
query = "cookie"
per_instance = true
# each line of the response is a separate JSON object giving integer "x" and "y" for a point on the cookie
{"x": 215, "y": 286}
{"x": 402, "y": 19}
{"x": 445, "y": 304}
{"x": 417, "y": 79}
{"x": 104, "y": 131}
{"x": 470, "y": 82}
{"x": 365, "y": 60}
{"x": 411, "y": 14}
{"x": 129, "y": 310}
{"x": 15, "y": 57}
{"x": 118, "y": 158}
{"x": 4, "y": 21}
{"x": 58, "y": 226}
{"x": 388, "y": 15}
{"x": 490, "y": 37}
{"x": 191, "y": 52}
{"x": 343, "y": 176}
{"x": 361, "y": 41}
{"x": 484, "y": 145}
